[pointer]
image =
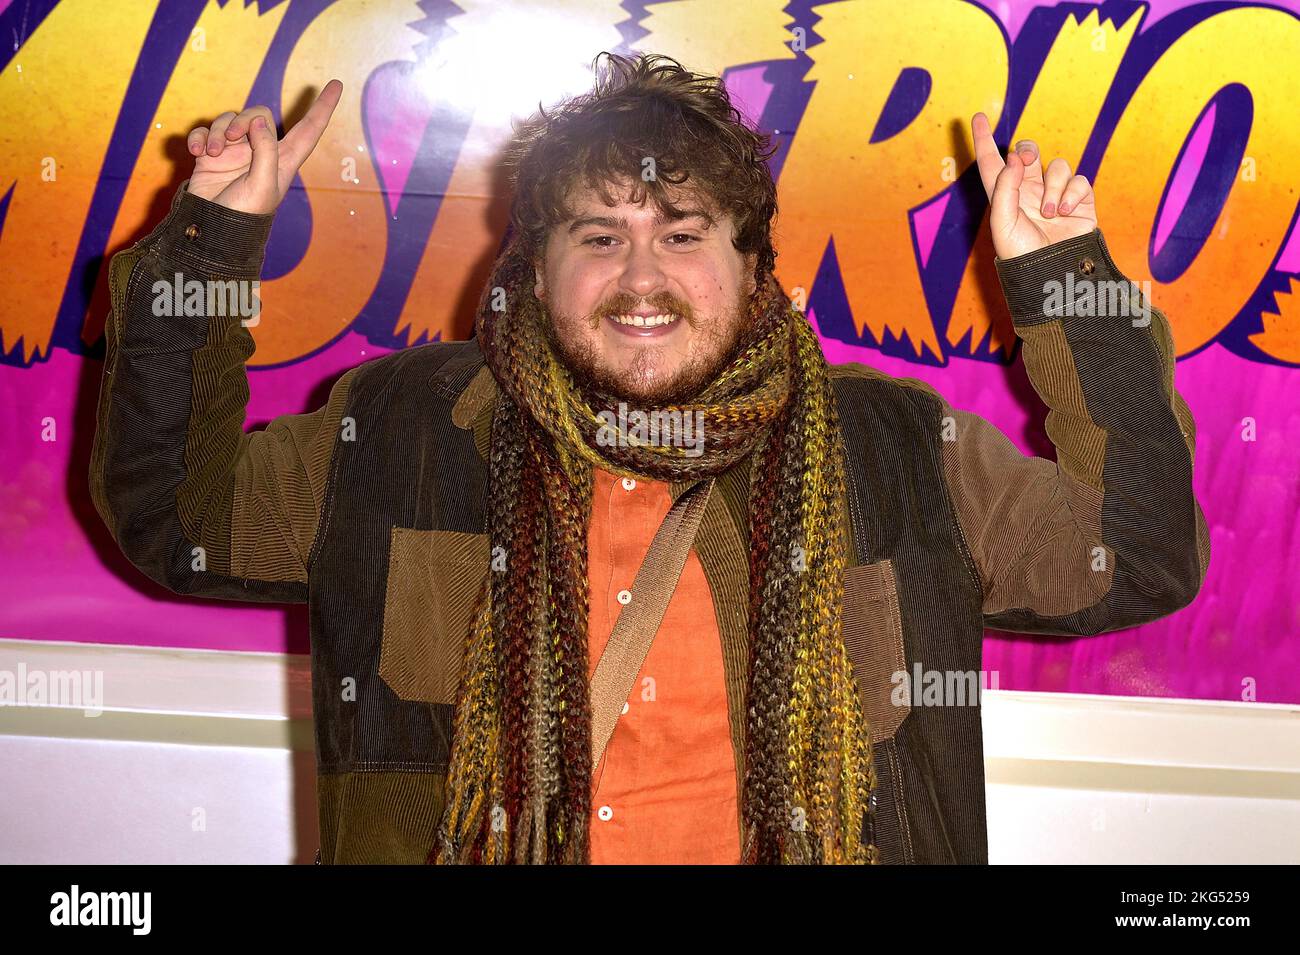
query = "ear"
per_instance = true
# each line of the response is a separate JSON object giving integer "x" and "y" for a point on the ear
{"x": 751, "y": 262}
{"x": 539, "y": 282}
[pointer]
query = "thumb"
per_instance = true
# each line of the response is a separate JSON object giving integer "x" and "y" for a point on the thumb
{"x": 262, "y": 175}
{"x": 1004, "y": 205}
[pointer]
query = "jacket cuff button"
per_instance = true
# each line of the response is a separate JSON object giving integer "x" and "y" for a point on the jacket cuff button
{"x": 191, "y": 231}
{"x": 1086, "y": 266}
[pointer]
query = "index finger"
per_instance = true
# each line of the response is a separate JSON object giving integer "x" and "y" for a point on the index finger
{"x": 299, "y": 141}
{"x": 987, "y": 155}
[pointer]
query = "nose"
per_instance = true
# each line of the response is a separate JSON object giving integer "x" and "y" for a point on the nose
{"x": 642, "y": 273}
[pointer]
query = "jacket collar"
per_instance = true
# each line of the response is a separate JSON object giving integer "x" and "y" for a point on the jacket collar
{"x": 473, "y": 409}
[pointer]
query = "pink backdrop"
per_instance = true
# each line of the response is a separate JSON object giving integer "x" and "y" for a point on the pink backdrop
{"x": 63, "y": 578}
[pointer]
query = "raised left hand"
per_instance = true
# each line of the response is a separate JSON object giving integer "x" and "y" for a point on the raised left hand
{"x": 1028, "y": 208}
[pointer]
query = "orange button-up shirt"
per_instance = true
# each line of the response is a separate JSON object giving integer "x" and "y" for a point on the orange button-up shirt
{"x": 665, "y": 789}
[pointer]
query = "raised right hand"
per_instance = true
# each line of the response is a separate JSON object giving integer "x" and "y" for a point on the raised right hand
{"x": 241, "y": 165}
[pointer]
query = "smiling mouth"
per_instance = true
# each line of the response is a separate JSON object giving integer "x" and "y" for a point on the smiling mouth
{"x": 645, "y": 326}
{"x": 646, "y": 321}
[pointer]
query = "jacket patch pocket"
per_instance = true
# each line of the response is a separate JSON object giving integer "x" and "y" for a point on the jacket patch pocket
{"x": 873, "y": 636}
{"x": 434, "y": 583}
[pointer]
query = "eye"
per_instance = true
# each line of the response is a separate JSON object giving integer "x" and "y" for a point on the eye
{"x": 690, "y": 239}
{"x": 595, "y": 241}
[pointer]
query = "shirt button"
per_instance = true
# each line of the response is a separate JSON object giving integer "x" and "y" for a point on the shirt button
{"x": 191, "y": 231}
{"x": 629, "y": 484}
{"x": 625, "y": 597}
{"x": 605, "y": 813}
{"x": 626, "y": 707}
{"x": 1087, "y": 266}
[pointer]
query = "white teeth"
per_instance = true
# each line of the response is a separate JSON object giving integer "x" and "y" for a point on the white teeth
{"x": 645, "y": 320}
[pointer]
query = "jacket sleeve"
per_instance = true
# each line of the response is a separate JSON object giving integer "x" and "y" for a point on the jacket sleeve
{"x": 195, "y": 503}
{"x": 1110, "y": 535}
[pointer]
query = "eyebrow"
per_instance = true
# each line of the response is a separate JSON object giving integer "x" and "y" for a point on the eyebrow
{"x": 619, "y": 222}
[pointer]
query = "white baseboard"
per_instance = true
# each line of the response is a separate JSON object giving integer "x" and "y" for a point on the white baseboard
{"x": 206, "y": 757}
{"x": 199, "y": 756}
{"x": 1117, "y": 779}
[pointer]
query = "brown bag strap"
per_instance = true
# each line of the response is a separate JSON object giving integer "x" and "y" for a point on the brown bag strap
{"x": 639, "y": 620}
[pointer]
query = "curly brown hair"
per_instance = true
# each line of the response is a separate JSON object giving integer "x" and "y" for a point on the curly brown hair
{"x": 644, "y": 106}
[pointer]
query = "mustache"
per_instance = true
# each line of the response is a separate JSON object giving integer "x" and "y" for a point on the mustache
{"x": 624, "y": 302}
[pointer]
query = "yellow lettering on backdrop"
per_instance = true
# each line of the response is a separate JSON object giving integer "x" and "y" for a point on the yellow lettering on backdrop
{"x": 859, "y": 193}
{"x": 212, "y": 75}
{"x": 60, "y": 97}
{"x": 712, "y": 35}
{"x": 314, "y": 303}
{"x": 1060, "y": 115}
{"x": 1281, "y": 335}
{"x": 1259, "y": 48}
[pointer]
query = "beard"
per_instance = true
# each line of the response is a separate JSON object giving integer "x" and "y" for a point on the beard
{"x": 719, "y": 344}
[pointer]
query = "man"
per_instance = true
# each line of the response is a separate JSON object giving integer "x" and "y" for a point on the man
{"x": 632, "y": 575}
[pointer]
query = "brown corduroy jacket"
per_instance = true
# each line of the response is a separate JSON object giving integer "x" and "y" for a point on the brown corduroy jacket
{"x": 371, "y": 509}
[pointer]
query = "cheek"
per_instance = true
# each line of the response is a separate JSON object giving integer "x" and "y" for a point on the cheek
{"x": 713, "y": 283}
{"x": 578, "y": 293}
{"x": 569, "y": 325}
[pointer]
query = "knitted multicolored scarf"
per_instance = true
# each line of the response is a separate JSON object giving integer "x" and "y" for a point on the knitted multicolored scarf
{"x": 519, "y": 780}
